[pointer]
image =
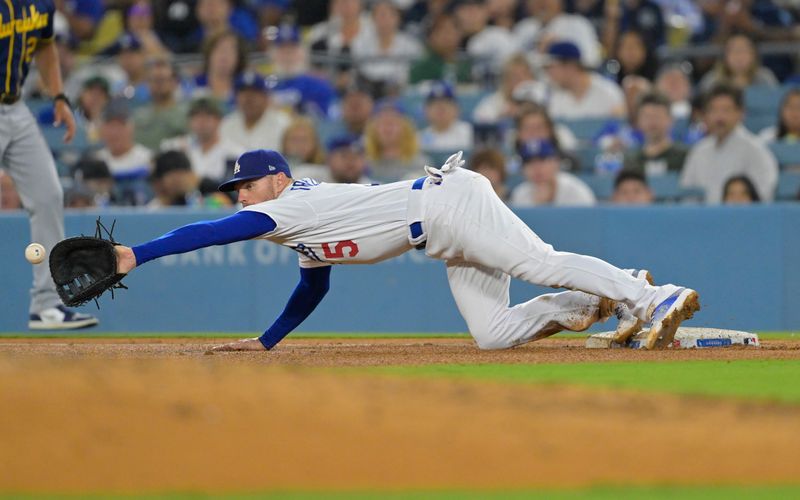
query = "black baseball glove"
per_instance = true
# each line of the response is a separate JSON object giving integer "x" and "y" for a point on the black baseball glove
{"x": 84, "y": 267}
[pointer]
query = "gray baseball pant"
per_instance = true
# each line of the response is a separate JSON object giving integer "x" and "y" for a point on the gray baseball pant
{"x": 24, "y": 154}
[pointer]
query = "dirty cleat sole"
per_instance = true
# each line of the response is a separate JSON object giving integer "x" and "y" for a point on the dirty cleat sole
{"x": 629, "y": 325}
{"x": 669, "y": 315}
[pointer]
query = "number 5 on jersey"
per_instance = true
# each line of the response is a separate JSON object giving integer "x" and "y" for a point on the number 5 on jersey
{"x": 337, "y": 252}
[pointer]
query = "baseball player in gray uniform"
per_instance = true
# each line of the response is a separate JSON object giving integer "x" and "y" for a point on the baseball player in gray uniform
{"x": 454, "y": 215}
{"x": 26, "y": 34}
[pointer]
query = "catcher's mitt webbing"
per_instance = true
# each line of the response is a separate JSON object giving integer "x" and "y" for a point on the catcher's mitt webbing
{"x": 84, "y": 267}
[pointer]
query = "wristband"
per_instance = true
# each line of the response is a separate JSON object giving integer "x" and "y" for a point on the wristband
{"x": 63, "y": 97}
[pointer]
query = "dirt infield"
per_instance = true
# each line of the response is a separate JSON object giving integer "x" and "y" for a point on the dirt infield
{"x": 135, "y": 416}
{"x": 381, "y": 352}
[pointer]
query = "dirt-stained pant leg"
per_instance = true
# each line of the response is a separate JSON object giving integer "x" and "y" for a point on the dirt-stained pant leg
{"x": 27, "y": 158}
{"x": 482, "y": 297}
{"x": 465, "y": 220}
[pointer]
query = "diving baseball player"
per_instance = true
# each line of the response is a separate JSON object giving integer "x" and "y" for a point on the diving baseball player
{"x": 26, "y": 34}
{"x": 455, "y": 216}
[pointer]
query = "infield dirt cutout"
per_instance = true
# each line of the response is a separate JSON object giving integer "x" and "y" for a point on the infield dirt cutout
{"x": 150, "y": 415}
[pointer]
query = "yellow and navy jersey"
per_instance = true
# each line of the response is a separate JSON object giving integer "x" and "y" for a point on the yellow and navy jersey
{"x": 24, "y": 26}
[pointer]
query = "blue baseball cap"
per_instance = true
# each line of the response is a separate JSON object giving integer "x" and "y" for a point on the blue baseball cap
{"x": 564, "y": 51}
{"x": 252, "y": 81}
{"x": 255, "y": 165}
{"x": 441, "y": 90}
{"x": 284, "y": 34}
{"x": 345, "y": 141}
{"x": 538, "y": 150}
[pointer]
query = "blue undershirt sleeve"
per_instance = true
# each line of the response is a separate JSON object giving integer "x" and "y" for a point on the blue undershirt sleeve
{"x": 243, "y": 225}
{"x": 314, "y": 284}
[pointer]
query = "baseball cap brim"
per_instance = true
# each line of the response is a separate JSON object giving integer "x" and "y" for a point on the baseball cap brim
{"x": 230, "y": 185}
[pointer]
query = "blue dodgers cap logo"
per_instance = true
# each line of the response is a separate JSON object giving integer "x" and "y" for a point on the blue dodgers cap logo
{"x": 255, "y": 165}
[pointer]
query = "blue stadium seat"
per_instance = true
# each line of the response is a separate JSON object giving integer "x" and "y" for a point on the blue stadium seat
{"x": 586, "y": 157}
{"x": 758, "y": 121}
{"x": 602, "y": 185}
{"x": 788, "y": 155}
{"x": 788, "y": 186}
{"x": 763, "y": 99}
{"x": 586, "y": 129}
{"x": 328, "y": 129}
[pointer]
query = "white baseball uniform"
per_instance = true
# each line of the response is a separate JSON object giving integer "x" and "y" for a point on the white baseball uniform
{"x": 460, "y": 220}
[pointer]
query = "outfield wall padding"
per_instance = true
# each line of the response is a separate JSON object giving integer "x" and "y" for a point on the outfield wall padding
{"x": 744, "y": 261}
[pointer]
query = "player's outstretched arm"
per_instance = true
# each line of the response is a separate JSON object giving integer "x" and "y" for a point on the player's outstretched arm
{"x": 241, "y": 226}
{"x": 314, "y": 284}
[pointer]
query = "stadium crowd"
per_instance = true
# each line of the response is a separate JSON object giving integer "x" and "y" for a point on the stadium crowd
{"x": 557, "y": 102}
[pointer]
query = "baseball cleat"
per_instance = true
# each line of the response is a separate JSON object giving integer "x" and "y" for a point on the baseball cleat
{"x": 669, "y": 314}
{"x": 60, "y": 318}
{"x": 629, "y": 325}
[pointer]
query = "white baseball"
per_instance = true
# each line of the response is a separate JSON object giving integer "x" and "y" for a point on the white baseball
{"x": 35, "y": 253}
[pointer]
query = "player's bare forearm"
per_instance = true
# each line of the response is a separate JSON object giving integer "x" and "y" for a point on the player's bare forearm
{"x": 126, "y": 259}
{"x": 47, "y": 62}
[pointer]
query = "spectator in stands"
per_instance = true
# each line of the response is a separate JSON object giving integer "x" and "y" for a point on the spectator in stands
{"x": 336, "y": 36}
{"x": 503, "y": 13}
{"x": 442, "y": 61}
{"x": 739, "y": 190}
{"x": 491, "y": 45}
{"x": 224, "y": 60}
{"x": 659, "y": 153}
{"x": 165, "y": 116}
{"x": 579, "y": 93}
{"x": 535, "y": 124}
{"x": 94, "y": 175}
{"x": 389, "y": 50}
{"x": 739, "y": 66}
{"x": 220, "y": 16}
{"x": 127, "y": 50}
{"x": 630, "y": 188}
{"x": 491, "y": 164}
{"x": 83, "y": 16}
{"x": 545, "y": 183}
{"x": 631, "y": 57}
{"x": 618, "y": 135}
{"x": 297, "y": 88}
{"x": 548, "y": 23}
{"x": 176, "y": 24}
{"x": 92, "y": 100}
{"x": 128, "y": 161}
{"x": 788, "y": 128}
{"x": 255, "y": 124}
{"x": 730, "y": 149}
{"x": 445, "y": 131}
{"x": 643, "y": 16}
{"x": 174, "y": 182}
{"x": 9, "y": 197}
{"x": 78, "y": 197}
{"x": 210, "y": 155}
{"x": 500, "y": 104}
{"x": 673, "y": 81}
{"x": 139, "y": 23}
{"x": 356, "y": 108}
{"x": 391, "y": 143}
{"x": 301, "y": 147}
{"x": 346, "y": 161}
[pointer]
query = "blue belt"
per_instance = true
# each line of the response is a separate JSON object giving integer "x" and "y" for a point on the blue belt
{"x": 416, "y": 227}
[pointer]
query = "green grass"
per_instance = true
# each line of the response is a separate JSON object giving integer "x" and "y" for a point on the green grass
{"x": 776, "y": 380}
{"x": 598, "y": 493}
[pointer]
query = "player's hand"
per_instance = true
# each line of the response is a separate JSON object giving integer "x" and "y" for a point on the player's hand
{"x": 126, "y": 260}
{"x": 63, "y": 114}
{"x": 240, "y": 345}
